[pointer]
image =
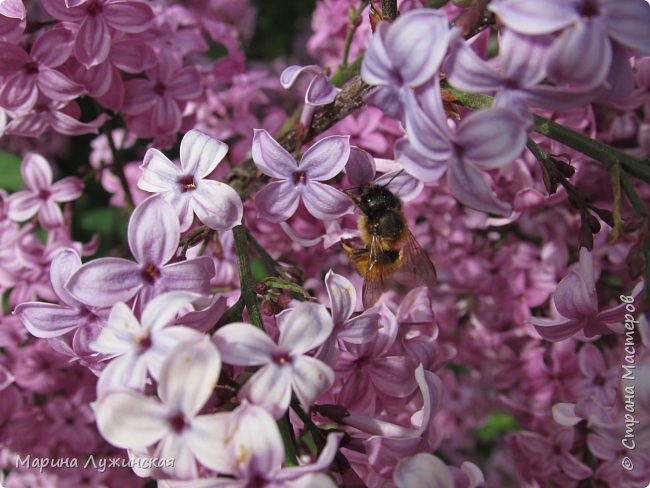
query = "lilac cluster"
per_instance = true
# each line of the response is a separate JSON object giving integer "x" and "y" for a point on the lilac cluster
{"x": 224, "y": 341}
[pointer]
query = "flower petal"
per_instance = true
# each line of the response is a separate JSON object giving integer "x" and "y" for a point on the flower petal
{"x": 57, "y": 86}
{"x": 627, "y": 21}
{"x": 468, "y": 184}
{"x": 270, "y": 387}
{"x": 201, "y": 153}
{"x": 277, "y": 201}
{"x": 47, "y": 320}
{"x": 193, "y": 275}
{"x": 217, "y": 205}
{"x": 188, "y": 376}
{"x": 128, "y": 16}
{"x": 533, "y": 17}
{"x": 159, "y": 174}
{"x": 416, "y": 43}
{"x": 491, "y": 138}
{"x": 311, "y": 377}
{"x": 343, "y": 297}
{"x": 36, "y": 172}
{"x": 153, "y": 232}
{"x": 92, "y": 42}
{"x": 325, "y": 202}
{"x": 22, "y": 206}
{"x": 161, "y": 310}
{"x": 304, "y": 327}
{"x": 105, "y": 281}
{"x": 325, "y": 159}
{"x": 270, "y": 157}
{"x": 242, "y": 344}
{"x": 67, "y": 189}
{"x": 581, "y": 55}
{"x": 129, "y": 419}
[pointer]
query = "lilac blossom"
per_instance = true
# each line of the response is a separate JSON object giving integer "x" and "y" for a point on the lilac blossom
{"x": 153, "y": 236}
{"x": 129, "y": 419}
{"x": 47, "y": 320}
{"x": 582, "y": 52}
{"x": 424, "y": 469}
{"x": 62, "y": 117}
{"x": 576, "y": 303}
{"x": 27, "y": 74}
{"x": 279, "y": 200}
{"x": 155, "y": 103}
{"x": 41, "y": 194}
{"x": 519, "y": 81}
{"x": 485, "y": 139}
{"x": 285, "y": 365}
{"x": 403, "y": 55}
{"x": 319, "y": 91}
{"x": 358, "y": 329}
{"x": 251, "y": 429}
{"x": 187, "y": 188}
{"x": 97, "y": 19}
{"x": 371, "y": 370}
{"x": 137, "y": 347}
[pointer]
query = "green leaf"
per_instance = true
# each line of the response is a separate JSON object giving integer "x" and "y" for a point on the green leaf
{"x": 10, "y": 178}
{"x": 105, "y": 221}
{"x": 497, "y": 424}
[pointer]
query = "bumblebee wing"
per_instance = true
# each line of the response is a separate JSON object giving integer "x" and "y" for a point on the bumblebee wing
{"x": 374, "y": 279}
{"x": 416, "y": 266}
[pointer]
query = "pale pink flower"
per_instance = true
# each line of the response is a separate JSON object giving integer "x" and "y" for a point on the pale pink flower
{"x": 138, "y": 347}
{"x": 286, "y": 367}
{"x": 41, "y": 195}
{"x": 97, "y": 19}
{"x": 188, "y": 375}
{"x": 27, "y": 74}
{"x": 187, "y": 188}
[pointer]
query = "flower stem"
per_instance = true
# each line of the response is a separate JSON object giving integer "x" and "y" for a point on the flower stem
{"x": 596, "y": 150}
{"x": 246, "y": 280}
{"x": 289, "y": 441}
{"x": 354, "y": 19}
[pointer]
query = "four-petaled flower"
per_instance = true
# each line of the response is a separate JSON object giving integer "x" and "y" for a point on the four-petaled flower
{"x": 279, "y": 200}
{"x": 153, "y": 235}
{"x": 130, "y": 419}
{"x": 285, "y": 366}
{"x": 186, "y": 187}
{"x": 41, "y": 196}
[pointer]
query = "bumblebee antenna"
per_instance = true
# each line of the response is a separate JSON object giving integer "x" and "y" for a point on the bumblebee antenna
{"x": 393, "y": 177}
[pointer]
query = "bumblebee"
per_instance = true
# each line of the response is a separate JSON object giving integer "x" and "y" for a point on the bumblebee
{"x": 390, "y": 248}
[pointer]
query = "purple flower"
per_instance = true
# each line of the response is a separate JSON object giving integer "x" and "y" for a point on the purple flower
{"x": 485, "y": 139}
{"x": 96, "y": 19}
{"x": 48, "y": 320}
{"x": 187, "y": 188}
{"x": 576, "y": 302}
{"x": 519, "y": 81}
{"x": 138, "y": 347}
{"x": 63, "y": 117}
{"x": 285, "y": 366}
{"x": 153, "y": 235}
{"x": 319, "y": 91}
{"x": 27, "y": 74}
{"x": 41, "y": 196}
{"x": 582, "y": 53}
{"x": 156, "y": 102}
{"x": 279, "y": 200}
{"x": 403, "y": 55}
{"x": 188, "y": 375}
{"x": 356, "y": 330}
